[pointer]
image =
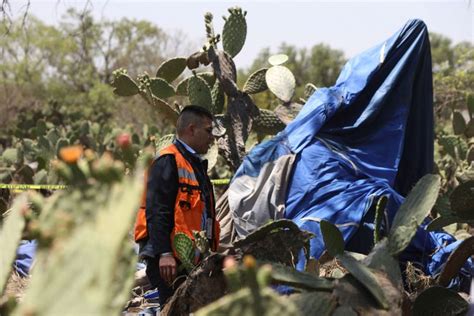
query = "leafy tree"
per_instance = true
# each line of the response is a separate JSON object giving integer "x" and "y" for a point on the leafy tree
{"x": 72, "y": 64}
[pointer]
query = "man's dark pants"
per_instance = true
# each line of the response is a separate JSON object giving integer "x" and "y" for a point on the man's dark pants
{"x": 165, "y": 290}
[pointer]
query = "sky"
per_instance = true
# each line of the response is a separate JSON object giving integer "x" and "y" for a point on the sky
{"x": 351, "y": 26}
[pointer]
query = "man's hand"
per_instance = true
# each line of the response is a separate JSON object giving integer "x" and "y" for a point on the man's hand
{"x": 168, "y": 268}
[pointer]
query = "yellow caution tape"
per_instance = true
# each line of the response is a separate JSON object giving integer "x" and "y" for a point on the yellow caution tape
{"x": 23, "y": 187}
{"x": 220, "y": 181}
{"x": 33, "y": 186}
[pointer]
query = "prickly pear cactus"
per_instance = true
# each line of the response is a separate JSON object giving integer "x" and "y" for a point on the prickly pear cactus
{"x": 454, "y": 146}
{"x": 234, "y": 32}
{"x": 379, "y": 214}
{"x": 311, "y": 303}
{"x": 277, "y": 59}
{"x": 437, "y": 300}
{"x": 335, "y": 246}
{"x": 456, "y": 260}
{"x": 163, "y": 109}
{"x": 123, "y": 84}
{"x": 332, "y": 238}
{"x": 255, "y": 299}
{"x": 267, "y": 242}
{"x": 90, "y": 269}
{"x": 202, "y": 243}
{"x": 225, "y": 70}
{"x": 218, "y": 98}
{"x": 199, "y": 92}
{"x": 170, "y": 69}
{"x": 184, "y": 248}
{"x": 281, "y": 82}
{"x": 268, "y": 123}
{"x": 462, "y": 200}
{"x": 459, "y": 124}
{"x": 241, "y": 110}
{"x": 256, "y": 82}
{"x": 412, "y": 212}
{"x": 161, "y": 89}
{"x": 282, "y": 274}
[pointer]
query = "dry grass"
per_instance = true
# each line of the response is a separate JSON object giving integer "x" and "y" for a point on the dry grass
{"x": 16, "y": 287}
{"x": 416, "y": 280}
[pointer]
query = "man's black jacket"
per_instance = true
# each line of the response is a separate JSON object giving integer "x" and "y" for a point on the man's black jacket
{"x": 162, "y": 189}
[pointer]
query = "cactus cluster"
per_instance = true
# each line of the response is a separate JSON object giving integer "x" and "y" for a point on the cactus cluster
{"x": 35, "y": 157}
{"x": 217, "y": 88}
{"x": 85, "y": 261}
{"x": 456, "y": 167}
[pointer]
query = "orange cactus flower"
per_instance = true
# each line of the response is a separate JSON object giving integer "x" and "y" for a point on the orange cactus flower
{"x": 71, "y": 154}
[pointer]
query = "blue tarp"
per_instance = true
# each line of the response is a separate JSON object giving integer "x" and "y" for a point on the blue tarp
{"x": 369, "y": 135}
{"x": 25, "y": 255}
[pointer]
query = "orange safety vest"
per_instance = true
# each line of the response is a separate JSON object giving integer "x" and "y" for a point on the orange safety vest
{"x": 188, "y": 207}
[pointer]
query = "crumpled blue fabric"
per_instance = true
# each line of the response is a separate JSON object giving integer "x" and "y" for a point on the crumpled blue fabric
{"x": 371, "y": 134}
{"x": 25, "y": 255}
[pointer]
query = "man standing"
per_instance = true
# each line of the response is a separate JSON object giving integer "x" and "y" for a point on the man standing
{"x": 179, "y": 198}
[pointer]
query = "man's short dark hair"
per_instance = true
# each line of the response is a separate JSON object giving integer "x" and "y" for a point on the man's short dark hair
{"x": 192, "y": 114}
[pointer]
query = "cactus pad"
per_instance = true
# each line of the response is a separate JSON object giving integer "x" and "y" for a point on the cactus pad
{"x": 363, "y": 274}
{"x": 469, "y": 132}
{"x": 184, "y": 248}
{"x": 209, "y": 77}
{"x": 454, "y": 146}
{"x": 314, "y": 303}
{"x": 218, "y": 98}
{"x": 462, "y": 200}
{"x": 100, "y": 243}
{"x": 164, "y": 109}
{"x": 170, "y": 69}
{"x": 281, "y": 82}
{"x": 412, "y": 212}
{"x": 225, "y": 70}
{"x": 161, "y": 89}
{"x": 459, "y": 124}
{"x": 277, "y": 59}
{"x": 380, "y": 259}
{"x": 256, "y": 82}
{"x": 456, "y": 260}
{"x": 437, "y": 300}
{"x": 289, "y": 276}
{"x": 268, "y": 242}
{"x": 182, "y": 87}
{"x": 125, "y": 86}
{"x": 234, "y": 32}
{"x": 199, "y": 92}
{"x": 267, "y": 123}
{"x": 332, "y": 238}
